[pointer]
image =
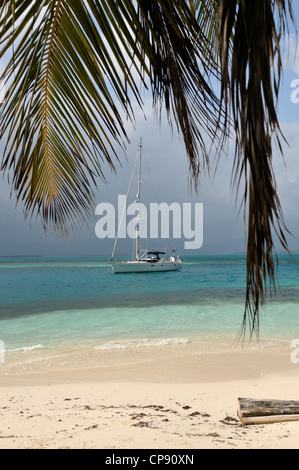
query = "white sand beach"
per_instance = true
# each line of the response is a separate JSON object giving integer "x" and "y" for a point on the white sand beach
{"x": 179, "y": 399}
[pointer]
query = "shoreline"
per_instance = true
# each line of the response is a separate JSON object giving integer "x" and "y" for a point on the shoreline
{"x": 173, "y": 362}
{"x": 170, "y": 401}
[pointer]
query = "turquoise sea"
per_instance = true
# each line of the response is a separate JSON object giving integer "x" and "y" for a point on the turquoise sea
{"x": 49, "y": 307}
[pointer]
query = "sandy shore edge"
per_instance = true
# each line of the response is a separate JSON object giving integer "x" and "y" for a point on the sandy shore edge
{"x": 169, "y": 402}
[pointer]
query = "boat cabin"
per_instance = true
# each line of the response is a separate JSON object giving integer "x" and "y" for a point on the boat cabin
{"x": 152, "y": 256}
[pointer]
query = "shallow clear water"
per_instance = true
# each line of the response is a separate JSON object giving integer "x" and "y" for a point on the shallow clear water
{"x": 67, "y": 303}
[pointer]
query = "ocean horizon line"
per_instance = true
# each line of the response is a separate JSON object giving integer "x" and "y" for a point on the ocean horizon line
{"x": 108, "y": 255}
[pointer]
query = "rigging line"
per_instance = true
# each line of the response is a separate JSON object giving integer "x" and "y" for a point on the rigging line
{"x": 123, "y": 212}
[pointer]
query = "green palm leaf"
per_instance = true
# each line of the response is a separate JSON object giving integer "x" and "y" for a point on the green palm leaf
{"x": 251, "y": 69}
{"x": 71, "y": 75}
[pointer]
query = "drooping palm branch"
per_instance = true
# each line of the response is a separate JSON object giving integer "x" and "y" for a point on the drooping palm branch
{"x": 74, "y": 71}
{"x": 251, "y": 69}
{"x": 71, "y": 63}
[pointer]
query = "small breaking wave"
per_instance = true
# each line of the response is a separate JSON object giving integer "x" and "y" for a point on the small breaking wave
{"x": 24, "y": 348}
{"x": 134, "y": 344}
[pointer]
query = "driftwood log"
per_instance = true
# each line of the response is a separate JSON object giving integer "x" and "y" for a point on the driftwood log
{"x": 252, "y": 411}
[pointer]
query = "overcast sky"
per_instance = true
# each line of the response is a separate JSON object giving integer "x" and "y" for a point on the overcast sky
{"x": 165, "y": 179}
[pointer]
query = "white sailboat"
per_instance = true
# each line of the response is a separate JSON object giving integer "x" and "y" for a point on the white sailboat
{"x": 151, "y": 260}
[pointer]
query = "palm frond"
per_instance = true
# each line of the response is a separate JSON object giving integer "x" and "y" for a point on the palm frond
{"x": 72, "y": 73}
{"x": 175, "y": 45}
{"x": 250, "y": 84}
{"x": 56, "y": 123}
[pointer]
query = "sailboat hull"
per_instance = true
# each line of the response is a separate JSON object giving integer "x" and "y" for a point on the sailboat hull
{"x": 150, "y": 261}
{"x": 144, "y": 266}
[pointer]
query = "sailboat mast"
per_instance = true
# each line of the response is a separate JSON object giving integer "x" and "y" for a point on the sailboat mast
{"x": 138, "y": 205}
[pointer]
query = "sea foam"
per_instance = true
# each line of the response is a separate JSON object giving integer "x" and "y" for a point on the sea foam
{"x": 25, "y": 348}
{"x": 141, "y": 343}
